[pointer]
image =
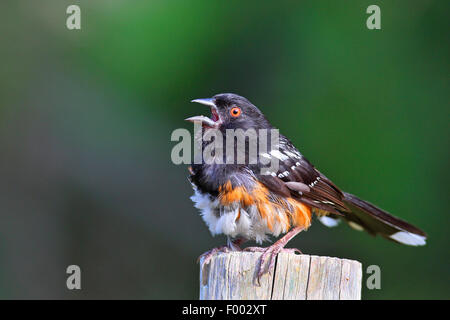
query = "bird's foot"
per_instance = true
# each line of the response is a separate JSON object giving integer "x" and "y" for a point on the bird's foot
{"x": 268, "y": 258}
{"x": 209, "y": 254}
{"x": 233, "y": 245}
{"x": 254, "y": 249}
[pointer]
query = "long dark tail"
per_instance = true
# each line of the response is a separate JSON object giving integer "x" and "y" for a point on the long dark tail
{"x": 366, "y": 216}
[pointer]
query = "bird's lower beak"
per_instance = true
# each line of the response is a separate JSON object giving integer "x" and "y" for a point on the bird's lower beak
{"x": 204, "y": 120}
{"x": 212, "y": 122}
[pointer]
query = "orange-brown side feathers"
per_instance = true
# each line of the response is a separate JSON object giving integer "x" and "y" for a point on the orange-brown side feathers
{"x": 301, "y": 213}
{"x": 238, "y": 194}
{"x": 287, "y": 211}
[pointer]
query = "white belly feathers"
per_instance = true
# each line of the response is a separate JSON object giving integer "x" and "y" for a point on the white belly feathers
{"x": 233, "y": 221}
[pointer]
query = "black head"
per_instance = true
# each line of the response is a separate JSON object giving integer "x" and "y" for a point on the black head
{"x": 230, "y": 111}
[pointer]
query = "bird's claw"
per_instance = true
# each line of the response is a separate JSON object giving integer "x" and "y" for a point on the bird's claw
{"x": 272, "y": 251}
{"x": 209, "y": 254}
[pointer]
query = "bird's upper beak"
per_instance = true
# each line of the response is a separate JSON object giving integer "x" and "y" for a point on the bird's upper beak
{"x": 212, "y": 122}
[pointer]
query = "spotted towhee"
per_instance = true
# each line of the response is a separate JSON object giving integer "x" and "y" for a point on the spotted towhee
{"x": 243, "y": 203}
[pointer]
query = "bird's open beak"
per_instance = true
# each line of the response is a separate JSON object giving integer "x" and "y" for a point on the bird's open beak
{"x": 212, "y": 122}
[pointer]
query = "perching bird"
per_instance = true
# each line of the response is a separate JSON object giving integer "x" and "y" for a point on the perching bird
{"x": 242, "y": 202}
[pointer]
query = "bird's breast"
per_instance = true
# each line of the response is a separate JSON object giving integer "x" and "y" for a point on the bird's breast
{"x": 249, "y": 211}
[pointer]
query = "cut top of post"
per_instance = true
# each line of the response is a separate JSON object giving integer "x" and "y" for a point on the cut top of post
{"x": 231, "y": 276}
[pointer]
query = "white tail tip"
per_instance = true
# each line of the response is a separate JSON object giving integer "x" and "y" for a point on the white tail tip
{"x": 408, "y": 238}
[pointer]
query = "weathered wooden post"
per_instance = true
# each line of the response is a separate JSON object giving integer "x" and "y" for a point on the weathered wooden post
{"x": 230, "y": 276}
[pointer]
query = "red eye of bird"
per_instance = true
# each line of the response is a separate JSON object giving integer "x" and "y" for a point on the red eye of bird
{"x": 235, "y": 112}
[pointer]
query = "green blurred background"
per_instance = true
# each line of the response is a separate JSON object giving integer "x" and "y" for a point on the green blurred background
{"x": 86, "y": 117}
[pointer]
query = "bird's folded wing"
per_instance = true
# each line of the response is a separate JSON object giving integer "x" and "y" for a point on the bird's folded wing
{"x": 296, "y": 177}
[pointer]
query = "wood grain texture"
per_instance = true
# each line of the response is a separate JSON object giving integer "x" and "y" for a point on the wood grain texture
{"x": 231, "y": 276}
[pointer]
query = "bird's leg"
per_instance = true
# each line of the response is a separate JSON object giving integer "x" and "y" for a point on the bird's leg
{"x": 232, "y": 245}
{"x": 236, "y": 243}
{"x": 273, "y": 251}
